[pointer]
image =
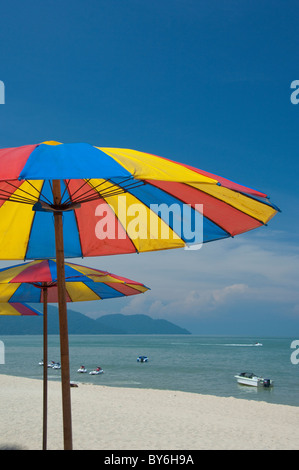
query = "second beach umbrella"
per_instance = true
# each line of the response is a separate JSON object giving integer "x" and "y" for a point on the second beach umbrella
{"x": 18, "y": 309}
{"x": 36, "y": 281}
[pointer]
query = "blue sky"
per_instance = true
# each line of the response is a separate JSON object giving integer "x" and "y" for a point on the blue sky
{"x": 204, "y": 83}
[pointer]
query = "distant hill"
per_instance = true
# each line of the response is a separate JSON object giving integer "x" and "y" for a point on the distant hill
{"x": 81, "y": 324}
{"x": 140, "y": 324}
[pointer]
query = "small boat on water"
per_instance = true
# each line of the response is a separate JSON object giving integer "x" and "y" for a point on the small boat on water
{"x": 97, "y": 371}
{"x": 258, "y": 344}
{"x": 53, "y": 365}
{"x": 142, "y": 359}
{"x": 253, "y": 380}
{"x": 82, "y": 370}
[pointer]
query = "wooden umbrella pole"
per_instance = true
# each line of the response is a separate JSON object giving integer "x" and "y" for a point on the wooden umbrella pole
{"x": 45, "y": 359}
{"x": 63, "y": 328}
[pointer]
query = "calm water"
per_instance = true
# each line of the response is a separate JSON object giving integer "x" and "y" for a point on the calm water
{"x": 198, "y": 364}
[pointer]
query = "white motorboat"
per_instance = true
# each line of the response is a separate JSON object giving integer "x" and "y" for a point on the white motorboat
{"x": 82, "y": 370}
{"x": 97, "y": 371}
{"x": 258, "y": 344}
{"x": 248, "y": 378}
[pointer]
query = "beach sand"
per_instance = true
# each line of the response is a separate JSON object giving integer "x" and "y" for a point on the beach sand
{"x": 108, "y": 418}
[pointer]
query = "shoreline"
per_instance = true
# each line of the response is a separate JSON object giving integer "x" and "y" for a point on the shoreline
{"x": 109, "y": 418}
{"x": 90, "y": 384}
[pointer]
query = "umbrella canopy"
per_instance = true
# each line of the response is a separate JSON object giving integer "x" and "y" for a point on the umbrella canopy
{"x": 126, "y": 191}
{"x": 18, "y": 309}
{"x": 19, "y": 283}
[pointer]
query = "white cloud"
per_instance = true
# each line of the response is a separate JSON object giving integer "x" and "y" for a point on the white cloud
{"x": 219, "y": 274}
{"x": 251, "y": 267}
{"x": 227, "y": 293}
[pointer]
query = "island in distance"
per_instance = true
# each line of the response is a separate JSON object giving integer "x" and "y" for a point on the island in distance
{"x": 81, "y": 324}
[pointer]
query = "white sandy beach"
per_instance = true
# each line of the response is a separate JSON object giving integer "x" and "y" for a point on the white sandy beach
{"x": 106, "y": 418}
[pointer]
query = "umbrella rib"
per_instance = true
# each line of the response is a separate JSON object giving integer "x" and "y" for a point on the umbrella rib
{"x": 16, "y": 198}
{"x": 92, "y": 189}
{"x": 38, "y": 192}
{"x": 89, "y": 195}
{"x": 72, "y": 199}
{"x": 116, "y": 188}
{"x": 65, "y": 189}
{"x": 114, "y": 191}
{"x": 13, "y": 198}
{"x": 71, "y": 196}
{"x": 42, "y": 196}
{"x": 111, "y": 188}
{"x": 23, "y": 191}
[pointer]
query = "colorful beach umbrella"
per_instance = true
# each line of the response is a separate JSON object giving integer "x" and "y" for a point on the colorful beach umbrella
{"x": 88, "y": 189}
{"x": 18, "y": 309}
{"x": 36, "y": 281}
{"x": 115, "y": 183}
{"x": 26, "y": 283}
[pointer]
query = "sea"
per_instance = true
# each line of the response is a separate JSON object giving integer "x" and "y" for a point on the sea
{"x": 197, "y": 364}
